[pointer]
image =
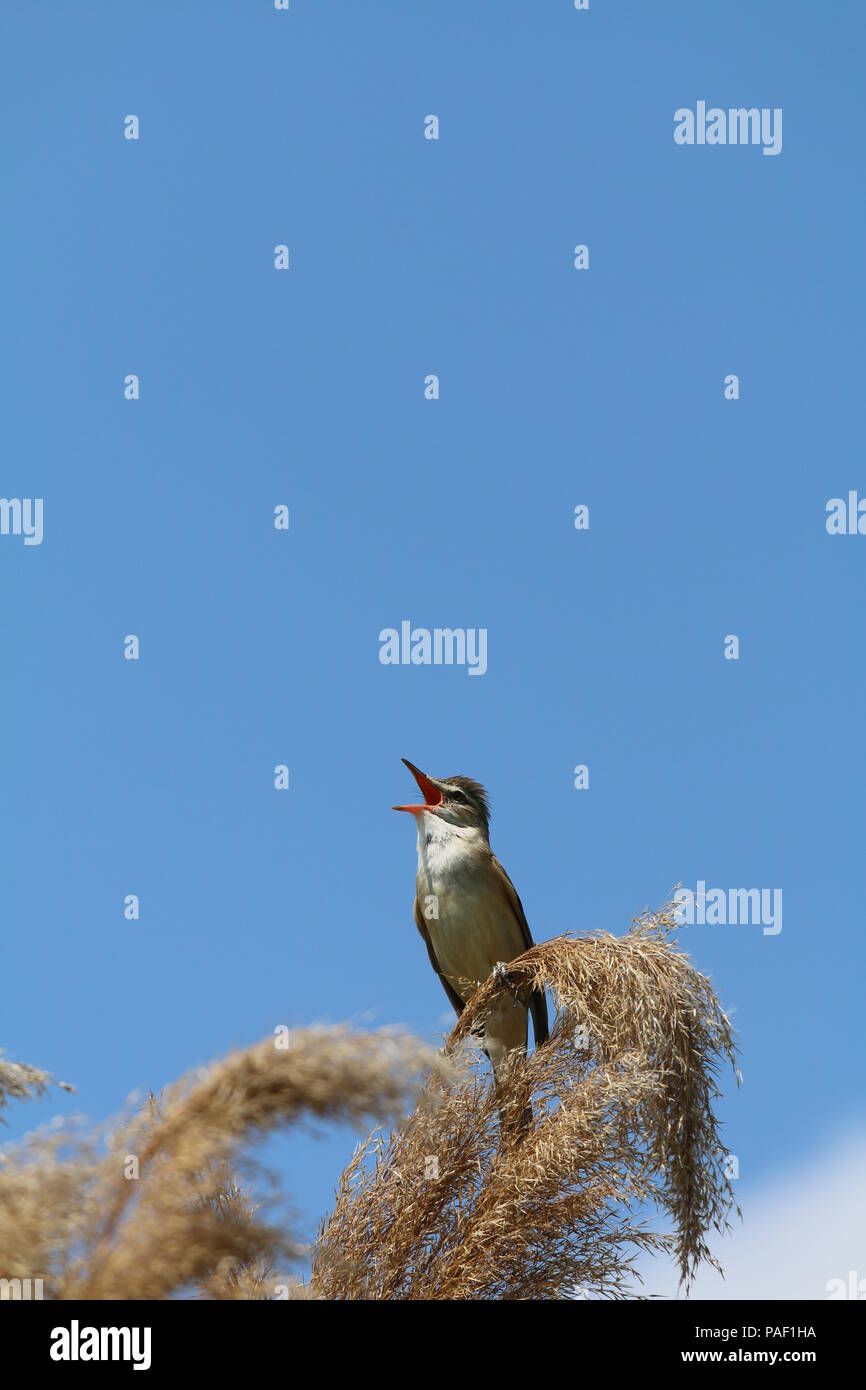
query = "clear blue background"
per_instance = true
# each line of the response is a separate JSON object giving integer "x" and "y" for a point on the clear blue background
{"x": 260, "y": 647}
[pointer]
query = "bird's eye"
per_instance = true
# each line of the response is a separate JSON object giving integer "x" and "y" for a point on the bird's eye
{"x": 458, "y": 796}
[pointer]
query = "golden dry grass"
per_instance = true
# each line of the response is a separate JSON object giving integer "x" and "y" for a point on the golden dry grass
{"x": 20, "y": 1082}
{"x": 622, "y": 1095}
{"x": 71, "y": 1214}
{"x": 440, "y": 1206}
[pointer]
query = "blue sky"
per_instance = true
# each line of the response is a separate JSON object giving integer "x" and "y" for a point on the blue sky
{"x": 306, "y": 387}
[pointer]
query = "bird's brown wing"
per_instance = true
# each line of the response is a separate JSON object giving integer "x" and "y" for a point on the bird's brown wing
{"x": 537, "y": 999}
{"x": 456, "y": 1001}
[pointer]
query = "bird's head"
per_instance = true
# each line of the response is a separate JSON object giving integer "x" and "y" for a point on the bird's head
{"x": 457, "y": 800}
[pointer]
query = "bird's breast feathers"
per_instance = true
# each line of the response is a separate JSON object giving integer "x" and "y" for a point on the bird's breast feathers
{"x": 465, "y": 908}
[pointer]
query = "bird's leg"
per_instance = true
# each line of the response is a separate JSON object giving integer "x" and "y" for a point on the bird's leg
{"x": 503, "y": 979}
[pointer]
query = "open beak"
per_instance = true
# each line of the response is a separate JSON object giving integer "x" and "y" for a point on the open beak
{"x": 430, "y": 792}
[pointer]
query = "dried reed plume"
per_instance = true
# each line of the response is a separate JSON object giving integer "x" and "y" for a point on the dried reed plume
{"x": 73, "y": 1213}
{"x": 443, "y": 1207}
{"x": 20, "y": 1082}
{"x": 622, "y": 1095}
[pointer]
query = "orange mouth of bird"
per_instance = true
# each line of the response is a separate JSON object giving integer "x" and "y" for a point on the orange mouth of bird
{"x": 431, "y": 793}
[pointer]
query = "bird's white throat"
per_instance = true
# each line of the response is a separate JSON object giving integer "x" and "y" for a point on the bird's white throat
{"x": 445, "y": 849}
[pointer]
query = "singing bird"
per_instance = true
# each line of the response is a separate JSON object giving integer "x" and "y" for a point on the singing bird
{"x": 467, "y": 909}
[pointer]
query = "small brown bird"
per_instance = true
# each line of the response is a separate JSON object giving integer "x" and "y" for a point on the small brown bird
{"x": 467, "y": 909}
